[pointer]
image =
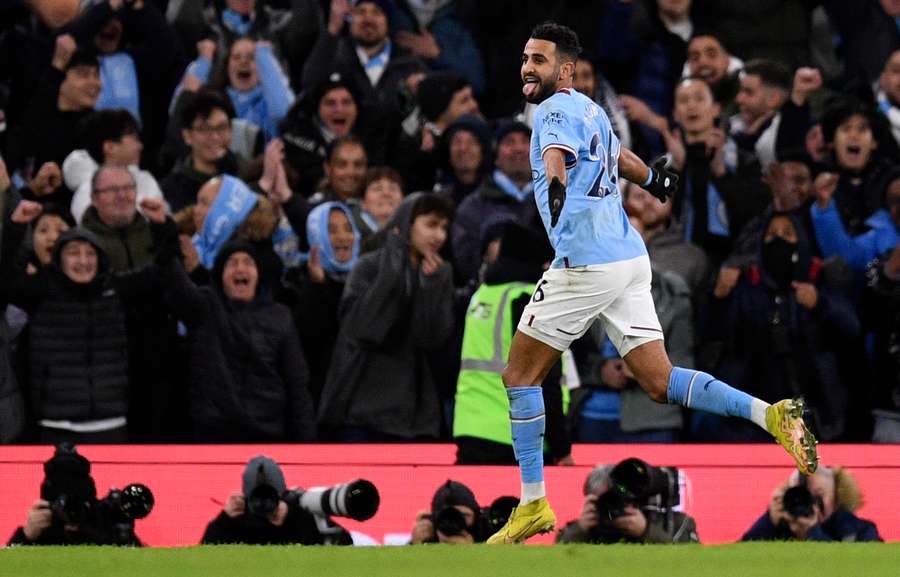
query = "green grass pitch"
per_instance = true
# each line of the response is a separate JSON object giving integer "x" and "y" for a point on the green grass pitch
{"x": 740, "y": 560}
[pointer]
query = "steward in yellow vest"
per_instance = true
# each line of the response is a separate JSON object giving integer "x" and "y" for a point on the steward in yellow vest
{"x": 481, "y": 427}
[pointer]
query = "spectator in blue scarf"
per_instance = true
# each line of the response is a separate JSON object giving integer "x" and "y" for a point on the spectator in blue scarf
{"x": 251, "y": 76}
{"x": 314, "y": 291}
{"x": 227, "y": 210}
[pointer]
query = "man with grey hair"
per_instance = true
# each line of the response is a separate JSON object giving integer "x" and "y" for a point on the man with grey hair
{"x": 123, "y": 233}
{"x": 631, "y": 524}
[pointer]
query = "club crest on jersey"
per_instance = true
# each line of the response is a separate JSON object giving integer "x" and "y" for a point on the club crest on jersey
{"x": 554, "y": 117}
{"x": 591, "y": 110}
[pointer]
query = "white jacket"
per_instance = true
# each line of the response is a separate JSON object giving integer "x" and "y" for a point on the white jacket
{"x": 78, "y": 168}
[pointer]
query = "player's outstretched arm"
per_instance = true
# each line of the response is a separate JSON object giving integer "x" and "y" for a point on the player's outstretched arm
{"x": 657, "y": 179}
{"x": 632, "y": 167}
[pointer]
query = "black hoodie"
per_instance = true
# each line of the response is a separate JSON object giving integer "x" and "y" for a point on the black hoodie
{"x": 391, "y": 316}
{"x": 248, "y": 376}
{"x": 77, "y": 341}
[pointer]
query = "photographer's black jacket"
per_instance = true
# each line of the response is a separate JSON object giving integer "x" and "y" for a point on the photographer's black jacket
{"x": 299, "y": 528}
{"x": 104, "y": 534}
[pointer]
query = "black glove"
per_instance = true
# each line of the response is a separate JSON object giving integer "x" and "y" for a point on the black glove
{"x": 556, "y": 199}
{"x": 663, "y": 182}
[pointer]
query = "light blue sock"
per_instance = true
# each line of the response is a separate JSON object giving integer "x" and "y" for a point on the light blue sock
{"x": 526, "y": 414}
{"x": 699, "y": 390}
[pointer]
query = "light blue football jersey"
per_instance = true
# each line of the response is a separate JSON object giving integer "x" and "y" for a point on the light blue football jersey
{"x": 593, "y": 227}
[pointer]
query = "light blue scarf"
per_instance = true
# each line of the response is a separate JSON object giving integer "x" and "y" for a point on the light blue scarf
{"x": 235, "y": 22}
{"x": 119, "y": 84}
{"x": 317, "y": 235}
{"x": 287, "y": 245}
{"x": 380, "y": 60}
{"x": 504, "y": 183}
{"x": 227, "y": 213}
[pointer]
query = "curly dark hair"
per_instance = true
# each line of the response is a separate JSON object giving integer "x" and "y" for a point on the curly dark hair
{"x": 566, "y": 40}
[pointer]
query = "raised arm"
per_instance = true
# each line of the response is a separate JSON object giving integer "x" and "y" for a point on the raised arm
{"x": 656, "y": 179}
{"x": 632, "y": 168}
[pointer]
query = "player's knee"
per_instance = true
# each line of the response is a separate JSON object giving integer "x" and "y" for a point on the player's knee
{"x": 509, "y": 377}
{"x": 657, "y": 389}
{"x": 659, "y": 393}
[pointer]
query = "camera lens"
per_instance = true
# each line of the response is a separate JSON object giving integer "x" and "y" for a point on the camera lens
{"x": 357, "y": 499}
{"x": 136, "y": 501}
{"x": 262, "y": 501}
{"x": 361, "y": 499}
{"x": 798, "y": 502}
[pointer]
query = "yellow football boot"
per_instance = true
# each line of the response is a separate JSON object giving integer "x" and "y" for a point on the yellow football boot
{"x": 526, "y": 521}
{"x": 784, "y": 420}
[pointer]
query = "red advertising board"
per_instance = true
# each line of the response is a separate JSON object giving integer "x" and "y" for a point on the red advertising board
{"x": 727, "y": 486}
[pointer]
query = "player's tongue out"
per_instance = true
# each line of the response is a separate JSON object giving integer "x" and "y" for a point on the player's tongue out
{"x": 530, "y": 87}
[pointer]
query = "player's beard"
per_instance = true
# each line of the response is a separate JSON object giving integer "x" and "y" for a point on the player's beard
{"x": 546, "y": 89}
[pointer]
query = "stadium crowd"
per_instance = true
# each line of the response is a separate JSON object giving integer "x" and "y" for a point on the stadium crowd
{"x": 295, "y": 221}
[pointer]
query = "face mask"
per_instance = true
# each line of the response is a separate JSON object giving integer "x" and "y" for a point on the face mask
{"x": 778, "y": 259}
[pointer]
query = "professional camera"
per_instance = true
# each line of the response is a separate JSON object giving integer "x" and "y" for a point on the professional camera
{"x": 450, "y": 522}
{"x": 499, "y": 511}
{"x": 634, "y": 482}
{"x": 68, "y": 486}
{"x": 357, "y": 500}
{"x": 800, "y": 502}
{"x": 72, "y": 495}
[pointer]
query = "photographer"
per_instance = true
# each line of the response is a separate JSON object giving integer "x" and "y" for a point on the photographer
{"x": 455, "y": 517}
{"x": 626, "y": 503}
{"x": 267, "y": 513}
{"x": 820, "y": 507}
{"x": 69, "y": 513}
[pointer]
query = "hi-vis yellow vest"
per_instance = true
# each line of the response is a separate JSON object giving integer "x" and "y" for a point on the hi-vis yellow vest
{"x": 482, "y": 407}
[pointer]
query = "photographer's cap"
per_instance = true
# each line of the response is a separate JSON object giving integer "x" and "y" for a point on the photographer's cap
{"x": 453, "y": 493}
{"x": 262, "y": 470}
{"x": 68, "y": 473}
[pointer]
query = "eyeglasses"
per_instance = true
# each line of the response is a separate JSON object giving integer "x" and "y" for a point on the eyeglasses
{"x": 124, "y": 188}
{"x": 207, "y": 129}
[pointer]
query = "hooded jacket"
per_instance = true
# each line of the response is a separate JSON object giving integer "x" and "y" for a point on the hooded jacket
{"x": 315, "y": 305}
{"x": 447, "y": 181}
{"x": 77, "y": 341}
{"x": 777, "y": 348}
{"x": 248, "y": 375}
{"x": 391, "y": 315}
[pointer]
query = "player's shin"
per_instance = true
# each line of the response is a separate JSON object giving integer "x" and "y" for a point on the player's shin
{"x": 526, "y": 413}
{"x": 699, "y": 390}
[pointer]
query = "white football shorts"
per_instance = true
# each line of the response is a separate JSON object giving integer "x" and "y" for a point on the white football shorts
{"x": 566, "y": 302}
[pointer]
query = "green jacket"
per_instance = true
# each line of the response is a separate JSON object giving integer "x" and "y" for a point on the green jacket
{"x": 128, "y": 248}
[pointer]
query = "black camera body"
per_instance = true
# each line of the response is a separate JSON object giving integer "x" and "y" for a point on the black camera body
{"x": 77, "y": 512}
{"x": 450, "y": 522}
{"x": 799, "y": 501}
{"x": 636, "y": 483}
